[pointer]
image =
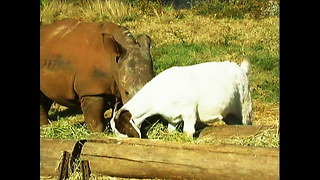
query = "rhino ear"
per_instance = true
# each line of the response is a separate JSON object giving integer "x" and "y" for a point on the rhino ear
{"x": 144, "y": 40}
{"x": 110, "y": 44}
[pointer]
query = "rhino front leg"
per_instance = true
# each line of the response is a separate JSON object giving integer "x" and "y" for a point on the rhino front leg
{"x": 45, "y": 104}
{"x": 93, "y": 108}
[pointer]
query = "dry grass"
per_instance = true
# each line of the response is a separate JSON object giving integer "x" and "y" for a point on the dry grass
{"x": 114, "y": 10}
{"x": 266, "y": 113}
{"x": 168, "y": 29}
{"x": 170, "y": 26}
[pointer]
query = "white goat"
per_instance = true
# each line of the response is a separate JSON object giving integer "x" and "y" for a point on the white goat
{"x": 204, "y": 92}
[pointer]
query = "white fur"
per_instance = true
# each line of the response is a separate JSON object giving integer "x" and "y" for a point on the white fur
{"x": 205, "y": 92}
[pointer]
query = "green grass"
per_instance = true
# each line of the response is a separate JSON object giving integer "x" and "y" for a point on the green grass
{"x": 161, "y": 132}
{"x": 64, "y": 129}
{"x": 130, "y": 10}
{"x": 238, "y": 9}
{"x": 67, "y": 125}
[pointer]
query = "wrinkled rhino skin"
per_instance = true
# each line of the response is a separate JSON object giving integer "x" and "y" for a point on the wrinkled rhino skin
{"x": 91, "y": 65}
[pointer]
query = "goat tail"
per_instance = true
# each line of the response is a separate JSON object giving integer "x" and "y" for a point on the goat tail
{"x": 245, "y": 65}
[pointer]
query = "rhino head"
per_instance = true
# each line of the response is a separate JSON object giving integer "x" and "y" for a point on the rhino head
{"x": 134, "y": 63}
{"x": 136, "y": 69}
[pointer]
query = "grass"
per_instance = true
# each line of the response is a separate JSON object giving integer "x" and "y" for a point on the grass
{"x": 238, "y": 9}
{"x": 131, "y": 10}
{"x": 65, "y": 129}
{"x": 265, "y": 138}
{"x": 217, "y": 31}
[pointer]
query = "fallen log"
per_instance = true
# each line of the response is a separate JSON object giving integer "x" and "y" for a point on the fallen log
{"x": 143, "y": 158}
{"x": 223, "y": 132}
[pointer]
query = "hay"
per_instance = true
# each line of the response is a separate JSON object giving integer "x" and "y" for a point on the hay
{"x": 266, "y": 113}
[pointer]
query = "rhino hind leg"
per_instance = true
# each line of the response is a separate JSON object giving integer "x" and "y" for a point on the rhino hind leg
{"x": 93, "y": 108}
{"x": 45, "y": 104}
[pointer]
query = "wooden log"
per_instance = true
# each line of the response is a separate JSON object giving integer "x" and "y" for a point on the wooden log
{"x": 50, "y": 152}
{"x": 222, "y": 132}
{"x": 143, "y": 158}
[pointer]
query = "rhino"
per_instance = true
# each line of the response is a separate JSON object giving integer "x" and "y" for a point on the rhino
{"x": 93, "y": 66}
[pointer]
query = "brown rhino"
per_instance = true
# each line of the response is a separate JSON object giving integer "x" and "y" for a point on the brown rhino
{"x": 91, "y": 66}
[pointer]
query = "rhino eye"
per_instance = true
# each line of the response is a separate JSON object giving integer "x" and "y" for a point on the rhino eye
{"x": 127, "y": 93}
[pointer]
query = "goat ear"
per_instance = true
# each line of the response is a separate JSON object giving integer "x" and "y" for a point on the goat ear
{"x": 131, "y": 130}
{"x": 110, "y": 44}
{"x": 125, "y": 125}
{"x": 119, "y": 123}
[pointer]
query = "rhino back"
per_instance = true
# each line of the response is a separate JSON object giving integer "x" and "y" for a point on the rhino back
{"x": 74, "y": 62}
